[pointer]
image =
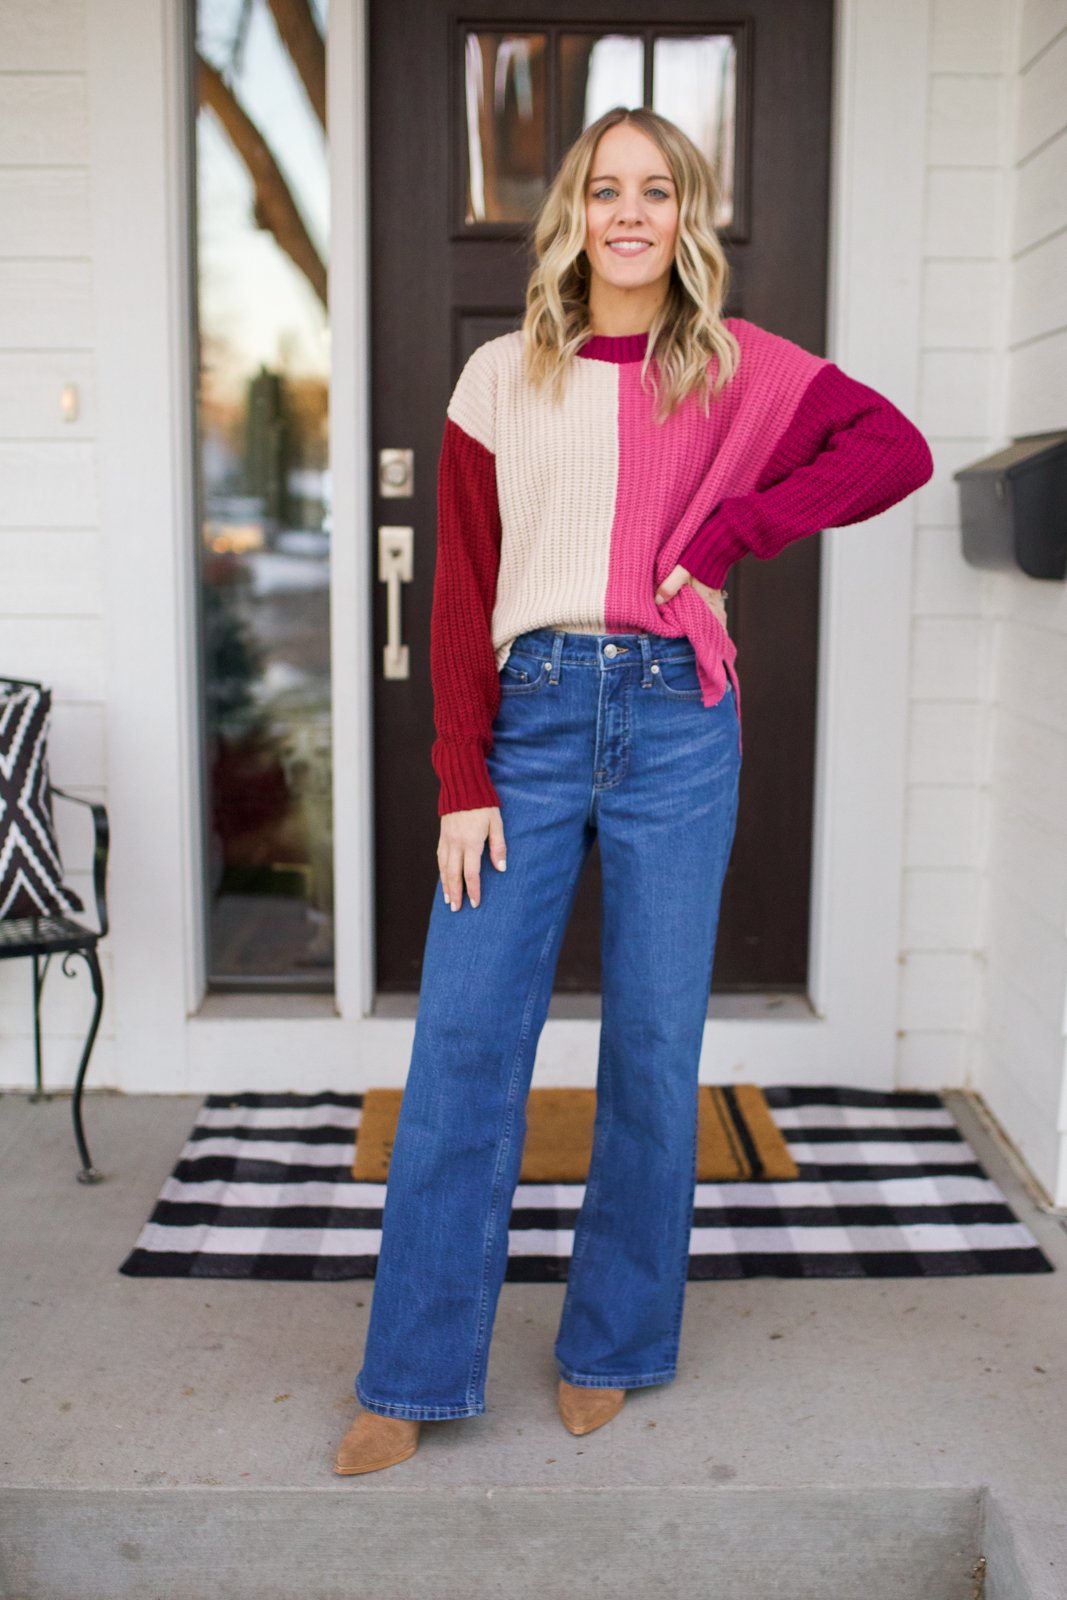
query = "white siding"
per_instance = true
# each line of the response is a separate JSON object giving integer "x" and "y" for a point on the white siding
{"x": 984, "y": 941}
{"x": 1022, "y": 1060}
{"x": 967, "y": 201}
{"x": 51, "y": 611}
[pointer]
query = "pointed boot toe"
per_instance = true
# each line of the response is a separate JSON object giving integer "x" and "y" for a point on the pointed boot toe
{"x": 375, "y": 1441}
{"x": 583, "y": 1408}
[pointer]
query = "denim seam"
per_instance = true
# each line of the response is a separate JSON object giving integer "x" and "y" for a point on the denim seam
{"x": 627, "y": 724}
{"x": 626, "y": 1380}
{"x": 400, "y": 1408}
{"x": 687, "y": 1227}
{"x": 677, "y": 694}
{"x": 592, "y": 1189}
{"x": 533, "y": 686}
{"x": 596, "y": 1163}
{"x": 690, "y": 695}
{"x": 503, "y": 1147}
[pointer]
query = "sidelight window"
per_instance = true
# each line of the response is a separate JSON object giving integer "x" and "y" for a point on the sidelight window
{"x": 262, "y": 227}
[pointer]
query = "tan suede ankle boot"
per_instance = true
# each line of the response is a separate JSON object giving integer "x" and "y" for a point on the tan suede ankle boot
{"x": 375, "y": 1441}
{"x": 584, "y": 1408}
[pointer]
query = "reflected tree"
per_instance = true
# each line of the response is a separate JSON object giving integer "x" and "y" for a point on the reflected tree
{"x": 275, "y": 208}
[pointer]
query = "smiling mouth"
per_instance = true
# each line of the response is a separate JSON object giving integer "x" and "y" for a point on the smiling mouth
{"x": 629, "y": 247}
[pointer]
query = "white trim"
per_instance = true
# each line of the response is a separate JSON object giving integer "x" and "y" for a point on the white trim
{"x": 140, "y": 260}
{"x": 877, "y": 185}
{"x": 873, "y": 310}
{"x": 178, "y": 67}
{"x": 351, "y": 597}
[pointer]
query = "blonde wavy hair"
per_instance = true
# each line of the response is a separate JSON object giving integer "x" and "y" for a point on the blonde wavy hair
{"x": 688, "y": 329}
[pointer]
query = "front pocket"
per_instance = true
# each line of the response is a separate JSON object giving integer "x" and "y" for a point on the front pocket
{"x": 522, "y": 674}
{"x": 677, "y": 677}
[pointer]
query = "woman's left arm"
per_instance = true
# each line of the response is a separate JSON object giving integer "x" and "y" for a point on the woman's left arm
{"x": 847, "y": 454}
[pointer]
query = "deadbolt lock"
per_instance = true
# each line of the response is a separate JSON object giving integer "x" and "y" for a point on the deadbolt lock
{"x": 396, "y": 474}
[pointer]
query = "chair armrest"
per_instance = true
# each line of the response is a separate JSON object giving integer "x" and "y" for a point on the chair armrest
{"x": 101, "y": 846}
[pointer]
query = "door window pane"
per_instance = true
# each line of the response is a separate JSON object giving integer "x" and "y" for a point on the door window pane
{"x": 262, "y": 244}
{"x": 596, "y": 73}
{"x": 504, "y": 95}
{"x": 694, "y": 82}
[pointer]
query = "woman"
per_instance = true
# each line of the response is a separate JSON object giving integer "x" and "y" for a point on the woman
{"x": 601, "y": 470}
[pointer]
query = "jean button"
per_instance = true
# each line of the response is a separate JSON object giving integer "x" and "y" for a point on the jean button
{"x": 611, "y": 649}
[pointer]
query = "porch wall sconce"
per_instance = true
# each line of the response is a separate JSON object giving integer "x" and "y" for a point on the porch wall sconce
{"x": 1013, "y": 507}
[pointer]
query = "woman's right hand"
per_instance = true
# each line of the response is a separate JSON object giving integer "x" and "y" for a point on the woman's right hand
{"x": 714, "y": 599}
{"x": 459, "y": 851}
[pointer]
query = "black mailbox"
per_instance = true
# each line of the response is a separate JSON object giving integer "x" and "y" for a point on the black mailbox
{"x": 1013, "y": 507}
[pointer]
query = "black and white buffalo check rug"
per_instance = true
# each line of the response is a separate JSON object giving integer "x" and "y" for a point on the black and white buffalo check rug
{"x": 888, "y": 1187}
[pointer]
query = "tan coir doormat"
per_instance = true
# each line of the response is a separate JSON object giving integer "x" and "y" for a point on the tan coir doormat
{"x": 737, "y": 1139}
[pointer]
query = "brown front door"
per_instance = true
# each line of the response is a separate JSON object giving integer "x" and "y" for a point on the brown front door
{"x": 470, "y": 113}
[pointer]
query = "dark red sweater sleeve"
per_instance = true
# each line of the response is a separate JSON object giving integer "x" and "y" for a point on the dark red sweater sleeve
{"x": 847, "y": 454}
{"x": 463, "y": 669}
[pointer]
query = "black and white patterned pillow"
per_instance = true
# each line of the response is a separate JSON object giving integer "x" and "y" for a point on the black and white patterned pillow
{"x": 31, "y": 873}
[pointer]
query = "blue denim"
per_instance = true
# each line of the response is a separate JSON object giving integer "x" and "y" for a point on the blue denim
{"x": 597, "y": 735}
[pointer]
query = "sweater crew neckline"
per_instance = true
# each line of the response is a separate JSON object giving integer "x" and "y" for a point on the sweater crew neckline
{"x": 617, "y": 347}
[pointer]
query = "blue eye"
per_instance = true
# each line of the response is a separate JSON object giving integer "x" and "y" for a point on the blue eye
{"x": 599, "y": 193}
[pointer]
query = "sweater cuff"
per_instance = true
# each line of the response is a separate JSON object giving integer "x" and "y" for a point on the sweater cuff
{"x": 714, "y": 548}
{"x": 465, "y": 781}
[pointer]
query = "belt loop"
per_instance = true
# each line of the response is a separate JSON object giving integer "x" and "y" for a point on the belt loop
{"x": 557, "y": 651}
{"x": 646, "y": 658}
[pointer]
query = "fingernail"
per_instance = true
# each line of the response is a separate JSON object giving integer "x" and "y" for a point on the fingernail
{"x": 502, "y": 866}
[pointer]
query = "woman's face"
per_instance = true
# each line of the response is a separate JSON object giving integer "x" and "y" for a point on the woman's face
{"x": 630, "y": 196}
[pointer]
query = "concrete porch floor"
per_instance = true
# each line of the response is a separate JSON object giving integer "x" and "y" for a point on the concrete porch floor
{"x": 174, "y": 1438}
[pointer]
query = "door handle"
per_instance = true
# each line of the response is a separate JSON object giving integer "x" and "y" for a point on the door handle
{"x": 395, "y": 547}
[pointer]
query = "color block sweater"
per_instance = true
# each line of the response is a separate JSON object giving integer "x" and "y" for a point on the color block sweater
{"x": 571, "y": 516}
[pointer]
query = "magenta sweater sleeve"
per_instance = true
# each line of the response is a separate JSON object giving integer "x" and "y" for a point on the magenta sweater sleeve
{"x": 847, "y": 454}
{"x": 463, "y": 669}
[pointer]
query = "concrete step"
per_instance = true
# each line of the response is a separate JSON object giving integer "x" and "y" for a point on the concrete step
{"x": 381, "y": 1540}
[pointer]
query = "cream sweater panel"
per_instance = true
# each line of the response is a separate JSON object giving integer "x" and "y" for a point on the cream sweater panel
{"x": 556, "y": 475}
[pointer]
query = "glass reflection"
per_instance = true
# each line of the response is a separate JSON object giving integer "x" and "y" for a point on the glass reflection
{"x": 504, "y": 94}
{"x": 694, "y": 82}
{"x": 263, "y": 221}
{"x": 597, "y": 71}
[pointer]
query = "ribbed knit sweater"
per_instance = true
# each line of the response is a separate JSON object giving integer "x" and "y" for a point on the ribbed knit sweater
{"x": 571, "y": 516}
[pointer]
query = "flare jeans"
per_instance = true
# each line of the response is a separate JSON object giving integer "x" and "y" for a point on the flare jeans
{"x": 599, "y": 735}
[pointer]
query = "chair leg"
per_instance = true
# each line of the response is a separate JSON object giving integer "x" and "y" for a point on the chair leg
{"x": 88, "y": 1173}
{"x": 39, "y": 974}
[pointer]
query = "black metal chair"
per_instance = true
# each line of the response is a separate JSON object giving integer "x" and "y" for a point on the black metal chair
{"x": 41, "y": 938}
